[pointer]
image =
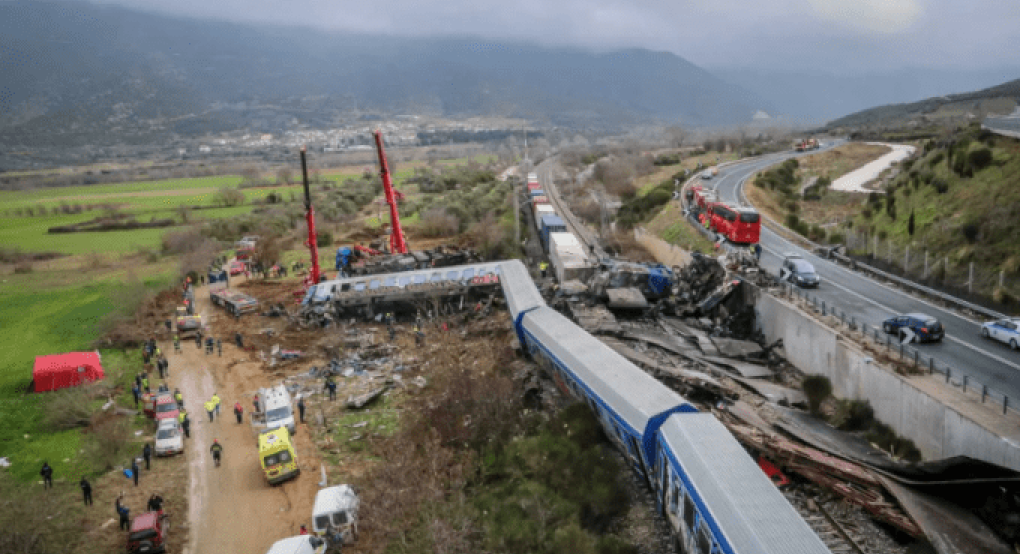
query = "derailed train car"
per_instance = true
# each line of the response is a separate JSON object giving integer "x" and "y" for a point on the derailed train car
{"x": 714, "y": 496}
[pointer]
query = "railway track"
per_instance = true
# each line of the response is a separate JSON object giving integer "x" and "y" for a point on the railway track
{"x": 824, "y": 521}
{"x": 579, "y": 230}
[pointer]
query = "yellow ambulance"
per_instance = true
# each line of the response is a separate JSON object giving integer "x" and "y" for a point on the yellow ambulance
{"x": 277, "y": 455}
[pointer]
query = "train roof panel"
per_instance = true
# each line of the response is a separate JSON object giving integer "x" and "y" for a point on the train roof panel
{"x": 754, "y": 515}
{"x": 633, "y": 394}
{"x": 518, "y": 288}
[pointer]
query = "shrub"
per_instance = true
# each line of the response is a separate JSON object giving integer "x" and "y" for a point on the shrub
{"x": 937, "y": 159}
{"x": 855, "y": 415}
{"x": 109, "y": 443}
{"x": 836, "y": 237}
{"x": 439, "y": 222}
{"x": 910, "y": 224}
{"x": 229, "y": 197}
{"x": 792, "y": 221}
{"x": 323, "y": 238}
{"x": 23, "y": 268}
{"x": 979, "y": 158}
{"x": 816, "y": 233}
{"x": 817, "y": 388}
{"x": 668, "y": 159}
{"x": 883, "y": 234}
{"x": 970, "y": 232}
{"x": 866, "y": 213}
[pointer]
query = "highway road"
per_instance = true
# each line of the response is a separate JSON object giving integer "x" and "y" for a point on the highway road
{"x": 963, "y": 350}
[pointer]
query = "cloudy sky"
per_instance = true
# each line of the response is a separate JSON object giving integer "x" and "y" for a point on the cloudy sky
{"x": 841, "y": 36}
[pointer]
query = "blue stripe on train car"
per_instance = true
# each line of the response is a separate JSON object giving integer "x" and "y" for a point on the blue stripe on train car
{"x": 647, "y": 436}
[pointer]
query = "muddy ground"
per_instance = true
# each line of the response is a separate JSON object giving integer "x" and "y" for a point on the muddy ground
{"x": 233, "y": 508}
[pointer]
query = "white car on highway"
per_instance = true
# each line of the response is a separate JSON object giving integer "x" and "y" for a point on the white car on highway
{"x": 1003, "y": 330}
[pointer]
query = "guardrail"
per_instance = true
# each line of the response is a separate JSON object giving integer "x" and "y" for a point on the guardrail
{"x": 855, "y": 265}
{"x": 905, "y": 353}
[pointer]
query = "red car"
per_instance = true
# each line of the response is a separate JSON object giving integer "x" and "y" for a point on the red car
{"x": 148, "y": 534}
{"x": 161, "y": 406}
{"x": 237, "y": 268}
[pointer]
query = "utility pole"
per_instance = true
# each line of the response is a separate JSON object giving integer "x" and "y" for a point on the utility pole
{"x": 525, "y": 129}
{"x": 517, "y": 213}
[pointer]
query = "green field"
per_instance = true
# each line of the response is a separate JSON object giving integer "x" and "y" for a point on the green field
{"x": 43, "y": 320}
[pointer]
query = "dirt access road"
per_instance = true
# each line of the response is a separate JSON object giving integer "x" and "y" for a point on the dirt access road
{"x": 233, "y": 508}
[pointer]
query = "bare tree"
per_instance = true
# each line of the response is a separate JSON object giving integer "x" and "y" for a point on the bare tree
{"x": 676, "y": 135}
{"x": 283, "y": 176}
{"x": 251, "y": 175}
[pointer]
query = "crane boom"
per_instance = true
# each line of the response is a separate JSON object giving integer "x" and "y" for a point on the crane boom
{"x": 397, "y": 243}
{"x": 312, "y": 243}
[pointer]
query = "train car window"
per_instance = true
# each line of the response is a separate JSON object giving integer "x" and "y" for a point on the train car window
{"x": 404, "y": 281}
{"x": 373, "y": 284}
{"x": 452, "y": 275}
{"x": 420, "y": 278}
{"x": 674, "y": 498}
{"x": 359, "y": 286}
{"x": 689, "y": 511}
{"x": 344, "y": 287}
{"x": 390, "y": 282}
{"x": 747, "y": 217}
{"x": 437, "y": 277}
{"x": 469, "y": 273}
{"x": 704, "y": 539}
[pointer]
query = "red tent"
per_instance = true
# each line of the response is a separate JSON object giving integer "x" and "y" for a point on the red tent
{"x": 59, "y": 371}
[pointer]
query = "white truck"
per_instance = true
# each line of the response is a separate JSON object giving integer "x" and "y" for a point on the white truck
{"x": 275, "y": 410}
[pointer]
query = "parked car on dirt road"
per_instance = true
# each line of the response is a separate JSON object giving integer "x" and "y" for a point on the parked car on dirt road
{"x": 1004, "y": 330}
{"x": 301, "y": 544}
{"x": 165, "y": 407}
{"x": 924, "y": 327}
{"x": 148, "y": 533}
{"x": 169, "y": 438}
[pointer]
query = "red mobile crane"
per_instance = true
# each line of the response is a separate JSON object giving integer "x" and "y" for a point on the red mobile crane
{"x": 312, "y": 243}
{"x": 397, "y": 243}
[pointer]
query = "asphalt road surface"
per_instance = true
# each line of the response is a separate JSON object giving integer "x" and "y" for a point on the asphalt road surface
{"x": 963, "y": 349}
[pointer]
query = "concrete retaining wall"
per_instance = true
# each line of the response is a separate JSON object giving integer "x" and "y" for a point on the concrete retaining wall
{"x": 939, "y": 429}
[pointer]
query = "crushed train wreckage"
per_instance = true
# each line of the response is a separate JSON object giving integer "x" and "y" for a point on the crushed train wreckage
{"x": 694, "y": 330}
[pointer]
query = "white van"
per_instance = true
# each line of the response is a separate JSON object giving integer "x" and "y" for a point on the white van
{"x": 276, "y": 410}
{"x": 301, "y": 544}
{"x": 337, "y": 507}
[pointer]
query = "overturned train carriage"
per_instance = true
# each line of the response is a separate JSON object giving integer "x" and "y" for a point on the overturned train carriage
{"x": 407, "y": 291}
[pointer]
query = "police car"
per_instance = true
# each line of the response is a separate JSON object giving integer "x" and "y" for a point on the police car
{"x": 1004, "y": 330}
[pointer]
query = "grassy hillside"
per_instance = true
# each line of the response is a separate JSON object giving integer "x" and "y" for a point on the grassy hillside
{"x": 965, "y": 197}
{"x": 781, "y": 194}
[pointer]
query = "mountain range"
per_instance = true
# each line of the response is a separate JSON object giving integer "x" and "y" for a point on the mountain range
{"x": 76, "y": 73}
{"x": 950, "y": 109}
